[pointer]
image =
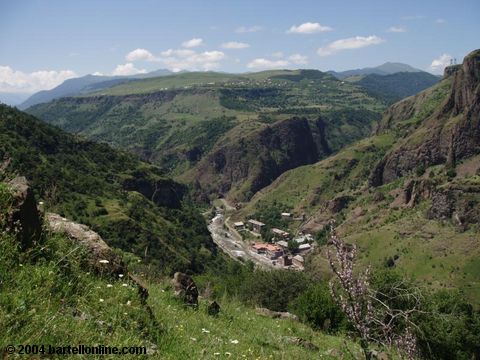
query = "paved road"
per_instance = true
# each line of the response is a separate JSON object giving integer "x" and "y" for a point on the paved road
{"x": 231, "y": 244}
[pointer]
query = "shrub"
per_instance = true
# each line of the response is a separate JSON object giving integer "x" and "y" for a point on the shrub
{"x": 316, "y": 307}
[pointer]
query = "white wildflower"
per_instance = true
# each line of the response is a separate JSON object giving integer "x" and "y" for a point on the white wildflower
{"x": 193, "y": 339}
{"x": 103, "y": 261}
{"x": 205, "y": 331}
{"x": 129, "y": 303}
{"x": 234, "y": 341}
{"x": 228, "y": 353}
{"x": 101, "y": 300}
{"x": 125, "y": 285}
{"x": 120, "y": 276}
{"x": 109, "y": 285}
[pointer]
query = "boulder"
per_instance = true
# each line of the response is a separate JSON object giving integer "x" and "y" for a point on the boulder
{"x": 275, "y": 314}
{"x": 301, "y": 342}
{"x": 213, "y": 309}
{"x": 101, "y": 258}
{"x": 185, "y": 289}
{"x": 24, "y": 217}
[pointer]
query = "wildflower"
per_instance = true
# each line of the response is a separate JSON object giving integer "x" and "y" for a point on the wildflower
{"x": 124, "y": 285}
{"x": 40, "y": 203}
{"x": 228, "y": 353}
{"x": 120, "y": 276}
{"x": 193, "y": 339}
{"x": 129, "y": 303}
{"x": 109, "y": 285}
{"x": 103, "y": 261}
{"x": 101, "y": 300}
{"x": 233, "y": 341}
{"x": 216, "y": 354}
{"x": 205, "y": 331}
{"x": 64, "y": 219}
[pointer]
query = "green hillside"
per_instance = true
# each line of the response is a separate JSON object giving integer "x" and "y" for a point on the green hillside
{"x": 408, "y": 196}
{"x": 175, "y": 121}
{"x": 127, "y": 201}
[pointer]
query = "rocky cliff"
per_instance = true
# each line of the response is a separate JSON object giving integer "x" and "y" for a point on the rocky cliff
{"x": 252, "y": 161}
{"x": 447, "y": 133}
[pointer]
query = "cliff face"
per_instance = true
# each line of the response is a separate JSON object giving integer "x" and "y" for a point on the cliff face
{"x": 254, "y": 160}
{"x": 449, "y": 133}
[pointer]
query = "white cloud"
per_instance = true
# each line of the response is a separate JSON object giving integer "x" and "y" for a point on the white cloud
{"x": 396, "y": 29}
{"x": 246, "y": 29}
{"x": 356, "y": 42}
{"x": 235, "y": 45}
{"x": 278, "y": 54}
{"x": 298, "y": 59}
{"x": 192, "y": 43}
{"x": 97, "y": 73}
{"x": 308, "y": 28}
{"x": 127, "y": 69}
{"x": 440, "y": 21}
{"x": 185, "y": 59}
{"x": 15, "y": 81}
{"x": 139, "y": 54}
{"x": 267, "y": 64}
{"x": 439, "y": 64}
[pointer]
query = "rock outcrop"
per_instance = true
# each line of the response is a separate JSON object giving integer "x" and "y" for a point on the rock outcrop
{"x": 24, "y": 217}
{"x": 101, "y": 258}
{"x": 254, "y": 159}
{"x": 185, "y": 289}
{"x": 276, "y": 314}
{"x": 449, "y": 133}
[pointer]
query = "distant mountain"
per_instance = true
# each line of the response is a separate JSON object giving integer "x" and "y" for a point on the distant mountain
{"x": 13, "y": 99}
{"x": 394, "y": 87}
{"x": 85, "y": 84}
{"x": 385, "y": 69}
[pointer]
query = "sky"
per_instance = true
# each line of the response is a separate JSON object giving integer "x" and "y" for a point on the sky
{"x": 44, "y": 42}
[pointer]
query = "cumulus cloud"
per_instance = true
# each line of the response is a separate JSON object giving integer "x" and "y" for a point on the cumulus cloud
{"x": 308, "y": 28}
{"x": 396, "y": 29}
{"x": 15, "y": 81}
{"x": 356, "y": 42}
{"x": 439, "y": 64}
{"x": 298, "y": 59}
{"x": 261, "y": 63}
{"x": 139, "y": 54}
{"x": 235, "y": 45}
{"x": 186, "y": 59}
{"x": 195, "y": 42}
{"x": 246, "y": 29}
{"x": 127, "y": 69}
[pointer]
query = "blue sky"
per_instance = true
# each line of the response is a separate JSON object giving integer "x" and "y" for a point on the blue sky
{"x": 44, "y": 42}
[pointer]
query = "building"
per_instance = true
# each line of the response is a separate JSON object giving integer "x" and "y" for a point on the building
{"x": 270, "y": 250}
{"x": 298, "y": 261}
{"x": 304, "y": 238}
{"x": 274, "y": 251}
{"x": 283, "y": 244}
{"x": 256, "y": 226}
{"x": 286, "y": 260}
{"x": 280, "y": 234}
{"x": 304, "y": 247}
{"x": 239, "y": 225}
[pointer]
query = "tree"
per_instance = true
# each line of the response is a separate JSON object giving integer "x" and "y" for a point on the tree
{"x": 370, "y": 312}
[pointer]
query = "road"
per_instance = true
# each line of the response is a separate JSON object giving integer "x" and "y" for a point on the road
{"x": 232, "y": 244}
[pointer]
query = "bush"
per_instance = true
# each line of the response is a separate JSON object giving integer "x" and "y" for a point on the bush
{"x": 273, "y": 289}
{"x": 316, "y": 307}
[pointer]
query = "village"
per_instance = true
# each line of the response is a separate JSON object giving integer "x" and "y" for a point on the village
{"x": 278, "y": 246}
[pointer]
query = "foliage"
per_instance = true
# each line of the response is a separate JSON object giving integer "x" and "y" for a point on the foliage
{"x": 129, "y": 203}
{"x": 315, "y": 306}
